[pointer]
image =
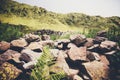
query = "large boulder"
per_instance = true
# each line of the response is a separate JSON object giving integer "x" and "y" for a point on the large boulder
{"x": 10, "y": 55}
{"x": 31, "y": 37}
{"x": 62, "y": 66}
{"x": 97, "y": 70}
{"x": 29, "y": 57}
{"x": 4, "y": 46}
{"x": 35, "y": 46}
{"x": 9, "y": 71}
{"x": 76, "y": 53}
{"x": 19, "y": 43}
{"x": 78, "y": 39}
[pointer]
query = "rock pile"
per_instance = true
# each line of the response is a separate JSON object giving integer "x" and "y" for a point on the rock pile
{"x": 79, "y": 57}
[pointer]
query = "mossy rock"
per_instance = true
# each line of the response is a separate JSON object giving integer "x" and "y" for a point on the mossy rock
{"x": 8, "y": 71}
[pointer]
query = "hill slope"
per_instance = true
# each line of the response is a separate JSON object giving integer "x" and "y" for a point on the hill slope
{"x": 39, "y": 18}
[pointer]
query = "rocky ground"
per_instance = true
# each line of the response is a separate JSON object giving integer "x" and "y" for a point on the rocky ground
{"x": 81, "y": 58}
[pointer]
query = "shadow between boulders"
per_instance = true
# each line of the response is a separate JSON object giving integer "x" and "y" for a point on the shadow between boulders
{"x": 77, "y": 64}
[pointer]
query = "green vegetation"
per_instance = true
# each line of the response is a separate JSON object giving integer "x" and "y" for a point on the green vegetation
{"x": 39, "y": 18}
{"x": 9, "y": 32}
{"x": 41, "y": 70}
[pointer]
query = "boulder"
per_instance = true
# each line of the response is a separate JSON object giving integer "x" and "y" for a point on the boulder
{"x": 32, "y": 55}
{"x": 89, "y": 43}
{"x": 31, "y": 37}
{"x": 78, "y": 39}
{"x": 102, "y": 33}
{"x": 4, "y": 46}
{"x": 19, "y": 43}
{"x": 76, "y": 53}
{"x": 29, "y": 57}
{"x": 9, "y": 71}
{"x": 60, "y": 65}
{"x": 45, "y": 37}
{"x": 109, "y": 45}
{"x": 10, "y": 55}
{"x": 35, "y": 46}
{"x": 98, "y": 40}
{"x": 97, "y": 70}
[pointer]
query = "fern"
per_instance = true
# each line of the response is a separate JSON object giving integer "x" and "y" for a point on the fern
{"x": 41, "y": 70}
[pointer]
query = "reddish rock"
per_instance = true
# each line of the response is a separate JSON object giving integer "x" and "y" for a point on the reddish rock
{"x": 97, "y": 70}
{"x": 4, "y": 46}
{"x": 10, "y": 55}
{"x": 104, "y": 59}
{"x": 78, "y": 39}
{"x": 89, "y": 43}
{"x": 76, "y": 53}
{"x": 19, "y": 43}
{"x": 35, "y": 46}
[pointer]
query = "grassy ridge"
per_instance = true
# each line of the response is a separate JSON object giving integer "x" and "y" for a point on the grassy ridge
{"x": 39, "y": 18}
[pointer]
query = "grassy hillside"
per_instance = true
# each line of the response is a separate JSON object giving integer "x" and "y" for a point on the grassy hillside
{"x": 39, "y": 18}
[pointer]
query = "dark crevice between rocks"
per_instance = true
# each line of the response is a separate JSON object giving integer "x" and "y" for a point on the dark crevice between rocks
{"x": 18, "y": 49}
{"x": 77, "y": 64}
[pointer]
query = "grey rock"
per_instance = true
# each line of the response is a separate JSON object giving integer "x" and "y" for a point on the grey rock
{"x": 31, "y": 37}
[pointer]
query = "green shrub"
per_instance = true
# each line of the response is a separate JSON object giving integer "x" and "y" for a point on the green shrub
{"x": 114, "y": 34}
{"x": 92, "y": 33}
{"x": 10, "y": 32}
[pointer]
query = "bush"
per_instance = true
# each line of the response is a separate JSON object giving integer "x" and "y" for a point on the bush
{"x": 9, "y": 32}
